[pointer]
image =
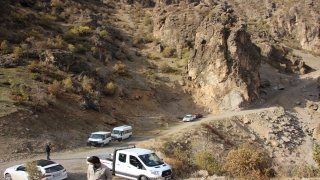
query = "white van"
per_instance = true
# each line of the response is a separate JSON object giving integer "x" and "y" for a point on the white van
{"x": 99, "y": 138}
{"x": 121, "y": 132}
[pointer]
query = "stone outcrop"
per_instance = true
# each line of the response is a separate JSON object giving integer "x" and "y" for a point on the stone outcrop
{"x": 301, "y": 21}
{"x": 224, "y": 63}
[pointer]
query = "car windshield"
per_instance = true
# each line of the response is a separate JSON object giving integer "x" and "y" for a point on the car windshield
{"x": 96, "y": 136}
{"x": 116, "y": 132}
{"x": 188, "y": 116}
{"x": 151, "y": 160}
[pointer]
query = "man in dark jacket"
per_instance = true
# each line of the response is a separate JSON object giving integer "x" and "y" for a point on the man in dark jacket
{"x": 98, "y": 171}
{"x": 48, "y": 149}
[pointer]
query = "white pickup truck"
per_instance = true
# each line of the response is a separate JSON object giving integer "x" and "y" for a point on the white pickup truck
{"x": 136, "y": 163}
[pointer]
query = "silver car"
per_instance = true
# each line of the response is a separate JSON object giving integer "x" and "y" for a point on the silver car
{"x": 188, "y": 118}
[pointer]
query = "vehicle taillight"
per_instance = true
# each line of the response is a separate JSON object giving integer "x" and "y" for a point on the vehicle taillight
{"x": 45, "y": 175}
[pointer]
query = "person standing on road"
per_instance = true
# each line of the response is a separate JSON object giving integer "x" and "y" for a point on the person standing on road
{"x": 98, "y": 171}
{"x": 48, "y": 149}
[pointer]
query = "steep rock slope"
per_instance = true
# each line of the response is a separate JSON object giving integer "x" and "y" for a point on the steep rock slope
{"x": 223, "y": 66}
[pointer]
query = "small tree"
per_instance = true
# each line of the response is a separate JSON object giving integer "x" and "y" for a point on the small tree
{"x": 206, "y": 161}
{"x": 110, "y": 88}
{"x": 33, "y": 171}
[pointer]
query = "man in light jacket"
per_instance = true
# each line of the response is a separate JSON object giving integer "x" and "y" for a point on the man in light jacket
{"x": 98, "y": 171}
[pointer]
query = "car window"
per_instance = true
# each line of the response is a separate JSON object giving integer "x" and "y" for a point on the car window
{"x": 54, "y": 169}
{"x": 122, "y": 157}
{"x": 21, "y": 168}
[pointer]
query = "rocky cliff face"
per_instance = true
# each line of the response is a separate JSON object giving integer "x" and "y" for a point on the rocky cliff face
{"x": 303, "y": 22}
{"x": 224, "y": 63}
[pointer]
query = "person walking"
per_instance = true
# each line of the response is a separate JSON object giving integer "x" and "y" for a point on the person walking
{"x": 98, "y": 171}
{"x": 48, "y": 149}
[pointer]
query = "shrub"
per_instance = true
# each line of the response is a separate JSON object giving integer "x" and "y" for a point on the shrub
{"x": 86, "y": 85}
{"x": 165, "y": 68}
{"x": 57, "y": 42}
{"x": 57, "y": 3}
{"x": 248, "y": 161}
{"x": 47, "y": 19}
{"x": 72, "y": 48}
{"x": 18, "y": 52}
{"x": 54, "y": 88}
{"x": 304, "y": 171}
{"x": 23, "y": 92}
{"x": 68, "y": 85}
{"x": 147, "y": 21}
{"x": 33, "y": 171}
{"x": 34, "y": 33}
{"x": 35, "y": 76}
{"x": 206, "y": 161}
{"x": 4, "y": 46}
{"x": 95, "y": 52}
{"x": 120, "y": 69}
{"x": 19, "y": 17}
{"x": 40, "y": 99}
{"x": 110, "y": 89}
{"x": 105, "y": 35}
{"x": 316, "y": 153}
{"x": 167, "y": 52}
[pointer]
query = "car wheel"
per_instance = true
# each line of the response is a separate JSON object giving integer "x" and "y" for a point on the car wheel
{"x": 120, "y": 139}
{"x": 143, "y": 178}
{"x": 7, "y": 177}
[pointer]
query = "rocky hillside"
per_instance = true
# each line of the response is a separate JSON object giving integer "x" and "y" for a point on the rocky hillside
{"x": 75, "y": 67}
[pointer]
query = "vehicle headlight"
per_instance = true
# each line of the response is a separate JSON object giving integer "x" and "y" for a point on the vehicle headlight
{"x": 155, "y": 172}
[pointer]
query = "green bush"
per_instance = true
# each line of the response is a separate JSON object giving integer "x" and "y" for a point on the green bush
{"x": 57, "y": 42}
{"x": 95, "y": 52}
{"x": 33, "y": 171}
{"x": 4, "y": 46}
{"x": 168, "y": 52}
{"x": 248, "y": 161}
{"x": 68, "y": 85}
{"x": 35, "y": 76}
{"x": 120, "y": 69}
{"x": 206, "y": 161}
{"x": 23, "y": 92}
{"x": 316, "y": 153}
{"x": 18, "y": 52}
{"x": 86, "y": 85}
{"x": 47, "y": 19}
{"x": 105, "y": 35}
{"x": 72, "y": 48}
{"x": 19, "y": 17}
{"x": 110, "y": 89}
